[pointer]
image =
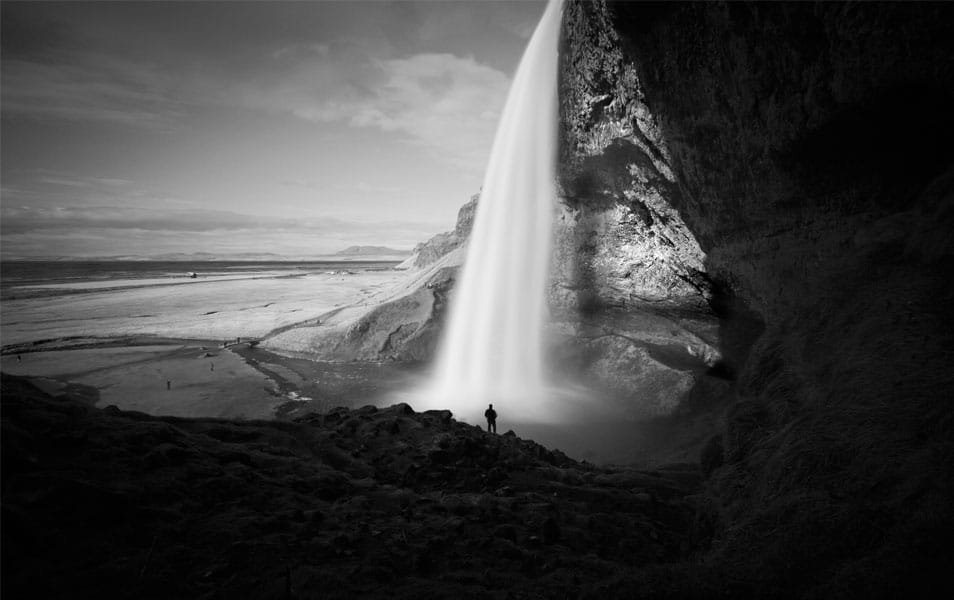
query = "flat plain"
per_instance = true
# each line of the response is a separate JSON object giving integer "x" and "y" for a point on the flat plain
{"x": 182, "y": 348}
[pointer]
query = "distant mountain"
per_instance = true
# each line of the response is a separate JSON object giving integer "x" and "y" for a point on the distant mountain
{"x": 371, "y": 251}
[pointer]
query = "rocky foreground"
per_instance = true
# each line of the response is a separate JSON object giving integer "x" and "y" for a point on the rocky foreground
{"x": 352, "y": 503}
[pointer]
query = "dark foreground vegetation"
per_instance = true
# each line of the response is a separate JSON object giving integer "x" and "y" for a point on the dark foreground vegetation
{"x": 392, "y": 503}
{"x": 352, "y": 503}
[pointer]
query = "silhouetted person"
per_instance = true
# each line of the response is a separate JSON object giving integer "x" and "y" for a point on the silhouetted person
{"x": 168, "y": 385}
{"x": 18, "y": 358}
{"x": 211, "y": 366}
{"x": 491, "y": 415}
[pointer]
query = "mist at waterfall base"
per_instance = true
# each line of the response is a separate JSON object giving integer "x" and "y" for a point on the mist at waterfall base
{"x": 492, "y": 349}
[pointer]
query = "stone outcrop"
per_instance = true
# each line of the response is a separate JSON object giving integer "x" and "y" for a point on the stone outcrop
{"x": 806, "y": 148}
{"x": 429, "y": 252}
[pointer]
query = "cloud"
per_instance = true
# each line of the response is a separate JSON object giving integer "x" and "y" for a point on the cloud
{"x": 91, "y": 87}
{"x": 369, "y": 188}
{"x": 351, "y": 65}
{"x": 446, "y": 104}
{"x": 105, "y": 230}
{"x": 456, "y": 20}
{"x": 45, "y": 189}
{"x": 303, "y": 183}
{"x": 362, "y": 187}
{"x": 66, "y": 218}
{"x": 90, "y": 243}
{"x": 523, "y": 29}
{"x": 84, "y": 182}
{"x": 69, "y": 218}
{"x": 59, "y": 213}
{"x": 439, "y": 101}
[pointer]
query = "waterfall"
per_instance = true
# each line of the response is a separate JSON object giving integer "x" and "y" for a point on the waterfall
{"x": 492, "y": 350}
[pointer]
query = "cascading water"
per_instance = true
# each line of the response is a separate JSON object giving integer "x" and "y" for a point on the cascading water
{"x": 492, "y": 351}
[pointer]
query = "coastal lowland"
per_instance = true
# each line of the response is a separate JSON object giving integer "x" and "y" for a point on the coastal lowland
{"x": 181, "y": 339}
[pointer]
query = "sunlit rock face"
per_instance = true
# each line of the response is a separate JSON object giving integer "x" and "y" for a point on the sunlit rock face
{"x": 429, "y": 252}
{"x": 630, "y": 297}
{"x": 807, "y": 148}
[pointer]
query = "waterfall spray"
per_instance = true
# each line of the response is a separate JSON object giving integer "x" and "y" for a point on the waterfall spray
{"x": 492, "y": 350}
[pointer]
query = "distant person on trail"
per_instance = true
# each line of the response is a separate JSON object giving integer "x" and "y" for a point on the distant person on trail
{"x": 168, "y": 385}
{"x": 491, "y": 415}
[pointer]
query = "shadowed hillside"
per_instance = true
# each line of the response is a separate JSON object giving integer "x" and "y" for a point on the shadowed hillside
{"x": 352, "y": 503}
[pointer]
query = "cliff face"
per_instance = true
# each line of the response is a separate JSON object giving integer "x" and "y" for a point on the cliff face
{"x": 629, "y": 290}
{"x": 806, "y": 150}
{"x": 429, "y": 252}
{"x": 403, "y": 324}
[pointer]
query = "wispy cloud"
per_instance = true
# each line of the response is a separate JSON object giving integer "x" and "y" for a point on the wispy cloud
{"x": 99, "y": 230}
{"x": 89, "y": 87}
{"x": 440, "y": 101}
{"x": 443, "y": 103}
{"x": 141, "y": 106}
{"x": 70, "y": 218}
{"x": 361, "y": 187}
{"x": 58, "y": 213}
{"x": 19, "y": 219}
{"x": 46, "y": 189}
{"x": 84, "y": 182}
{"x": 303, "y": 183}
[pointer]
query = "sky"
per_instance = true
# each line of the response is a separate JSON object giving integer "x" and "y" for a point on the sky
{"x": 294, "y": 128}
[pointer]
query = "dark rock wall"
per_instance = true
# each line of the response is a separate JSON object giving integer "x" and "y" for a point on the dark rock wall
{"x": 793, "y": 127}
{"x": 808, "y": 149}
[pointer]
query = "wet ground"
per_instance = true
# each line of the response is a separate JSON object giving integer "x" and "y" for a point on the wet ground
{"x": 195, "y": 378}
